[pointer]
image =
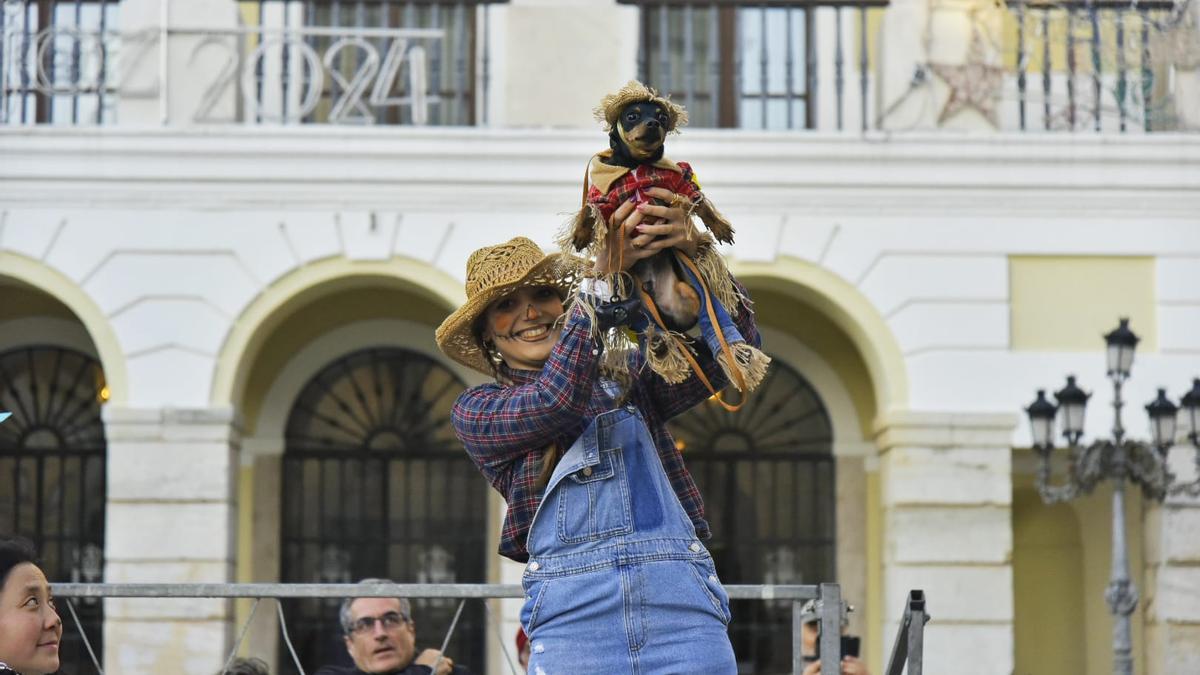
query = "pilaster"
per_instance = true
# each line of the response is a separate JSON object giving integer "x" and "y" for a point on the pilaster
{"x": 171, "y": 519}
{"x": 1171, "y": 590}
{"x": 946, "y": 495}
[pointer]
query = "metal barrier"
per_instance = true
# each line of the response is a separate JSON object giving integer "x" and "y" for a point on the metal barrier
{"x": 829, "y": 594}
{"x": 909, "y": 648}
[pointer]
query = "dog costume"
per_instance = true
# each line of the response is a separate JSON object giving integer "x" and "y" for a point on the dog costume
{"x": 606, "y": 187}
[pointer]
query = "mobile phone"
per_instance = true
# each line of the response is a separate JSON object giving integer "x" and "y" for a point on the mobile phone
{"x": 849, "y": 646}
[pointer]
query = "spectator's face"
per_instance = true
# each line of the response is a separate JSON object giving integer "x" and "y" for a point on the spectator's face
{"x": 381, "y": 648}
{"x": 30, "y": 629}
{"x": 808, "y": 638}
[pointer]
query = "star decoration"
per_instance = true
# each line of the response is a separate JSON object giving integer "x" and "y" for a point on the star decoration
{"x": 974, "y": 84}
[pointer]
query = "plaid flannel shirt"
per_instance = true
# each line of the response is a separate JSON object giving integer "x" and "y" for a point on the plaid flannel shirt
{"x": 507, "y": 429}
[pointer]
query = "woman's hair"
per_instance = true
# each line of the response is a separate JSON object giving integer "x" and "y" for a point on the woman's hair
{"x": 14, "y": 551}
{"x": 251, "y": 666}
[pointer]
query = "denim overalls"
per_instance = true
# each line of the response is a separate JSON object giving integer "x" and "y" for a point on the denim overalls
{"x": 617, "y": 581}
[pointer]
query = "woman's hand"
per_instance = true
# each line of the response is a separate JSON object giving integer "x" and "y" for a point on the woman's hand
{"x": 642, "y": 240}
{"x": 851, "y": 665}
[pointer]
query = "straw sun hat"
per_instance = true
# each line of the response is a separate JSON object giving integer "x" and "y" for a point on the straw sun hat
{"x": 611, "y": 106}
{"x": 492, "y": 273}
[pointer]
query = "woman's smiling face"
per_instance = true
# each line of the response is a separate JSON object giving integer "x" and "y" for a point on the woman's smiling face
{"x": 30, "y": 629}
{"x": 522, "y": 326}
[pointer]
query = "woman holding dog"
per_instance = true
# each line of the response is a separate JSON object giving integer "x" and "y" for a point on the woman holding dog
{"x": 601, "y": 507}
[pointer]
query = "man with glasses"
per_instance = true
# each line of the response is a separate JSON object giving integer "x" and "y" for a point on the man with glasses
{"x": 381, "y": 638}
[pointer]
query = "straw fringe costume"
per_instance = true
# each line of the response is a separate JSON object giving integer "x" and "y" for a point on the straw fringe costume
{"x": 606, "y": 187}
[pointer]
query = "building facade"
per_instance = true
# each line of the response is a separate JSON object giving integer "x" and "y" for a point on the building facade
{"x": 228, "y": 230}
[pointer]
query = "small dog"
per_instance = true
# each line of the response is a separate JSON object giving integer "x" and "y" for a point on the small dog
{"x": 633, "y": 163}
{"x": 639, "y": 140}
{"x": 673, "y": 287}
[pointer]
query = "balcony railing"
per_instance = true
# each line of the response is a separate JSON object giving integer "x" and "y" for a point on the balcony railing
{"x": 1096, "y": 65}
{"x": 1110, "y": 66}
{"x": 798, "y": 64}
{"x": 421, "y": 62}
{"x": 1101, "y": 65}
{"x": 58, "y": 61}
{"x": 829, "y": 594}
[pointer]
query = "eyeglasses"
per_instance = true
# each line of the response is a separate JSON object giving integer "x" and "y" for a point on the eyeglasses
{"x": 367, "y": 623}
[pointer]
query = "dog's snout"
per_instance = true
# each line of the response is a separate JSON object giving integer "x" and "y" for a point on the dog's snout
{"x": 652, "y": 123}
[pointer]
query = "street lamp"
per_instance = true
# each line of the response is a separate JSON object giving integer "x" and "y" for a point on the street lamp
{"x": 1118, "y": 460}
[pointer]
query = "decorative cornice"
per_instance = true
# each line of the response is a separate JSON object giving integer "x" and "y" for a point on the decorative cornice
{"x": 221, "y": 423}
{"x": 945, "y": 430}
{"x": 536, "y": 168}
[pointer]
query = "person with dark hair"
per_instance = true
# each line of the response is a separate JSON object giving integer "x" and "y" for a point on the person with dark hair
{"x": 381, "y": 638}
{"x": 250, "y": 666}
{"x": 30, "y": 628}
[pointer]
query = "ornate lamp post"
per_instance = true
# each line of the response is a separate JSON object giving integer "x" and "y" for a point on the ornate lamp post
{"x": 1117, "y": 459}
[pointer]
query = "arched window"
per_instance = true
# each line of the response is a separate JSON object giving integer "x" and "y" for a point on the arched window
{"x": 376, "y": 484}
{"x": 52, "y": 473}
{"x": 767, "y": 476}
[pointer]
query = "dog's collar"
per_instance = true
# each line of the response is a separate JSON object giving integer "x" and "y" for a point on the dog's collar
{"x": 604, "y": 175}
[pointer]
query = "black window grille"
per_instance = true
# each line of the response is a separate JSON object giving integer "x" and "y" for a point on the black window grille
{"x": 52, "y": 474}
{"x": 750, "y": 65}
{"x": 376, "y": 484}
{"x": 767, "y": 476}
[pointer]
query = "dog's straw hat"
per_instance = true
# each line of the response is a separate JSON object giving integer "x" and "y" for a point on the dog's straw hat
{"x": 493, "y": 272}
{"x": 635, "y": 92}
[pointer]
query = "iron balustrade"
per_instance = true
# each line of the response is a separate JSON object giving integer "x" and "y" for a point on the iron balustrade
{"x": 56, "y": 58}
{"x": 829, "y": 594}
{"x": 422, "y": 62}
{"x": 1101, "y": 65}
{"x": 755, "y": 64}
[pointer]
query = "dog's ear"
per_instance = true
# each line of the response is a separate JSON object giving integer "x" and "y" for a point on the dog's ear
{"x": 615, "y": 142}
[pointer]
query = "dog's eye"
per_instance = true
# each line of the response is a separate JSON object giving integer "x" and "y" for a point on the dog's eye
{"x": 632, "y": 117}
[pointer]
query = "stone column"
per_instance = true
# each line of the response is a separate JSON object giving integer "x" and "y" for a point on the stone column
{"x": 946, "y": 485}
{"x": 170, "y": 519}
{"x": 1171, "y": 587}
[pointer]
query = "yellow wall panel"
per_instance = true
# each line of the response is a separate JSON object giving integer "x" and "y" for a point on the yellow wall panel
{"x": 1062, "y": 560}
{"x": 1066, "y": 303}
